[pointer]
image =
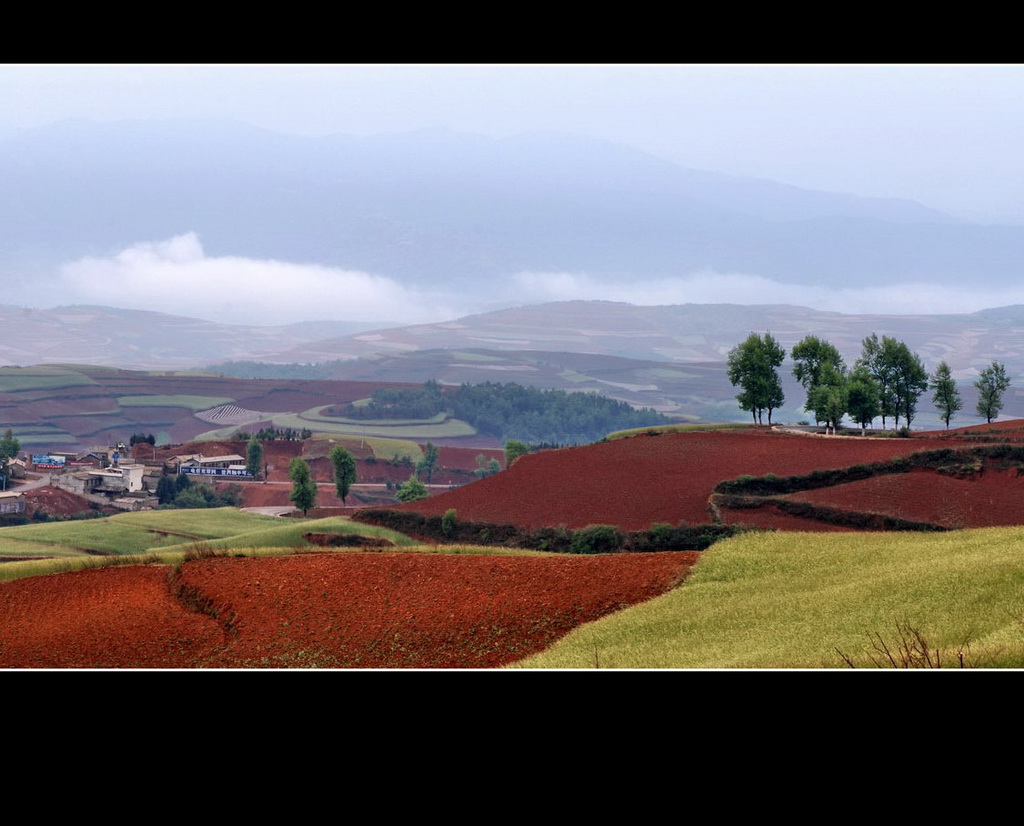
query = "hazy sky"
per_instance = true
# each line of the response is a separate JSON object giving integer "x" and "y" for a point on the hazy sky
{"x": 949, "y": 136}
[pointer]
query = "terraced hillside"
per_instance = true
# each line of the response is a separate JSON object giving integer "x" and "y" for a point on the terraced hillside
{"x": 760, "y": 478}
{"x": 74, "y": 407}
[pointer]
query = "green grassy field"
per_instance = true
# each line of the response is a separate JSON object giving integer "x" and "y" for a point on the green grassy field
{"x": 283, "y": 537}
{"x": 384, "y": 449}
{"x": 13, "y": 379}
{"x": 673, "y": 428}
{"x": 415, "y": 430}
{"x": 791, "y": 600}
{"x": 170, "y": 530}
{"x": 314, "y": 415}
{"x": 193, "y": 403}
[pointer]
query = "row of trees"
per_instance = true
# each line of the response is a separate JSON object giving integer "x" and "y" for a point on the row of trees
{"x": 886, "y": 381}
{"x": 304, "y": 490}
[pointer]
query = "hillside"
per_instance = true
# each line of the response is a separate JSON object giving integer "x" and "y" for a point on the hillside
{"x": 139, "y": 339}
{"x": 931, "y": 481}
{"x": 76, "y": 407}
{"x": 670, "y": 358}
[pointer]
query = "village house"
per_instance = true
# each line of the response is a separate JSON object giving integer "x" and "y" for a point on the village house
{"x": 12, "y": 501}
{"x": 199, "y": 465}
{"x": 120, "y": 485}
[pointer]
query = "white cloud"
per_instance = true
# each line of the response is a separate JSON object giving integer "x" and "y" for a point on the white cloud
{"x": 717, "y": 288}
{"x": 175, "y": 276}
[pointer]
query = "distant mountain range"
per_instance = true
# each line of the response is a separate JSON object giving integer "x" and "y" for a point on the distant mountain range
{"x": 137, "y": 339}
{"x": 671, "y": 358}
{"x": 459, "y": 210}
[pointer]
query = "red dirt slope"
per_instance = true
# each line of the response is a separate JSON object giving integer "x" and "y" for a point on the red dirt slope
{"x": 346, "y": 610}
{"x": 635, "y": 482}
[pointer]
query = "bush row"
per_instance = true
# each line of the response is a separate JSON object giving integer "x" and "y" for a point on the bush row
{"x": 822, "y": 513}
{"x": 591, "y": 539}
{"x": 944, "y": 460}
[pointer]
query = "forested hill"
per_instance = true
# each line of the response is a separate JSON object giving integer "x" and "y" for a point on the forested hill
{"x": 510, "y": 411}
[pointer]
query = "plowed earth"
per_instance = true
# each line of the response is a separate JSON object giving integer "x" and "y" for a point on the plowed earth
{"x": 345, "y": 610}
{"x": 636, "y": 482}
{"x": 990, "y": 498}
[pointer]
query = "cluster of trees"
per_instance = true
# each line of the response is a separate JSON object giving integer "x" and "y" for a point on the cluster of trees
{"x": 270, "y": 434}
{"x": 142, "y": 439}
{"x": 486, "y": 467}
{"x": 886, "y": 381}
{"x": 181, "y": 492}
{"x": 510, "y": 411}
{"x": 399, "y": 403}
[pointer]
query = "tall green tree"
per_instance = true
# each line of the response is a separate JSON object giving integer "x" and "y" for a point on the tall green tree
{"x": 10, "y": 446}
{"x": 863, "y": 400}
{"x": 945, "y": 395}
{"x": 810, "y": 355}
{"x": 827, "y": 398}
{"x": 992, "y": 383}
{"x": 820, "y": 368}
{"x": 427, "y": 464}
{"x": 303, "y": 494}
{"x": 879, "y": 368}
{"x": 909, "y": 378}
{"x": 753, "y": 366}
{"x": 344, "y": 470}
{"x": 253, "y": 457}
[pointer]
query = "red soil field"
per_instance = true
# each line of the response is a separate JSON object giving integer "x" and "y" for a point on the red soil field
{"x": 58, "y": 502}
{"x": 345, "y": 610}
{"x": 636, "y": 482}
{"x": 770, "y": 517}
{"x": 104, "y": 618}
{"x": 990, "y": 498}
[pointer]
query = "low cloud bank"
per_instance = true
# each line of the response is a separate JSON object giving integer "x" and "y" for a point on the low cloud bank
{"x": 176, "y": 276}
{"x": 718, "y": 288}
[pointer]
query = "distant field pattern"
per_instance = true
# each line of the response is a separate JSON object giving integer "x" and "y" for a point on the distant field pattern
{"x": 230, "y": 414}
{"x": 191, "y": 402}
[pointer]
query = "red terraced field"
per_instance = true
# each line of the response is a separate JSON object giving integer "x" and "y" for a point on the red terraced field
{"x": 635, "y": 482}
{"x": 354, "y": 610}
{"x": 990, "y": 498}
{"x": 770, "y": 517}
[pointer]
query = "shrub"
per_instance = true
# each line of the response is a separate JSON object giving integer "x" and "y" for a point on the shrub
{"x": 596, "y": 539}
{"x": 661, "y": 533}
{"x": 449, "y": 523}
{"x": 411, "y": 490}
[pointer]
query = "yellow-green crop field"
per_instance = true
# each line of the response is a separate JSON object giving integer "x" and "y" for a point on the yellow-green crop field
{"x": 808, "y": 600}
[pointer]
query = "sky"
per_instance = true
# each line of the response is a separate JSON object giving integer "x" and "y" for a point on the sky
{"x": 946, "y": 135}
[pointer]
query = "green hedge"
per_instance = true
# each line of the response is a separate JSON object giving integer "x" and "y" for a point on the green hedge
{"x": 559, "y": 539}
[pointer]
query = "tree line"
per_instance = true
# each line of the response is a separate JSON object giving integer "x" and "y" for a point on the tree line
{"x": 887, "y": 380}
